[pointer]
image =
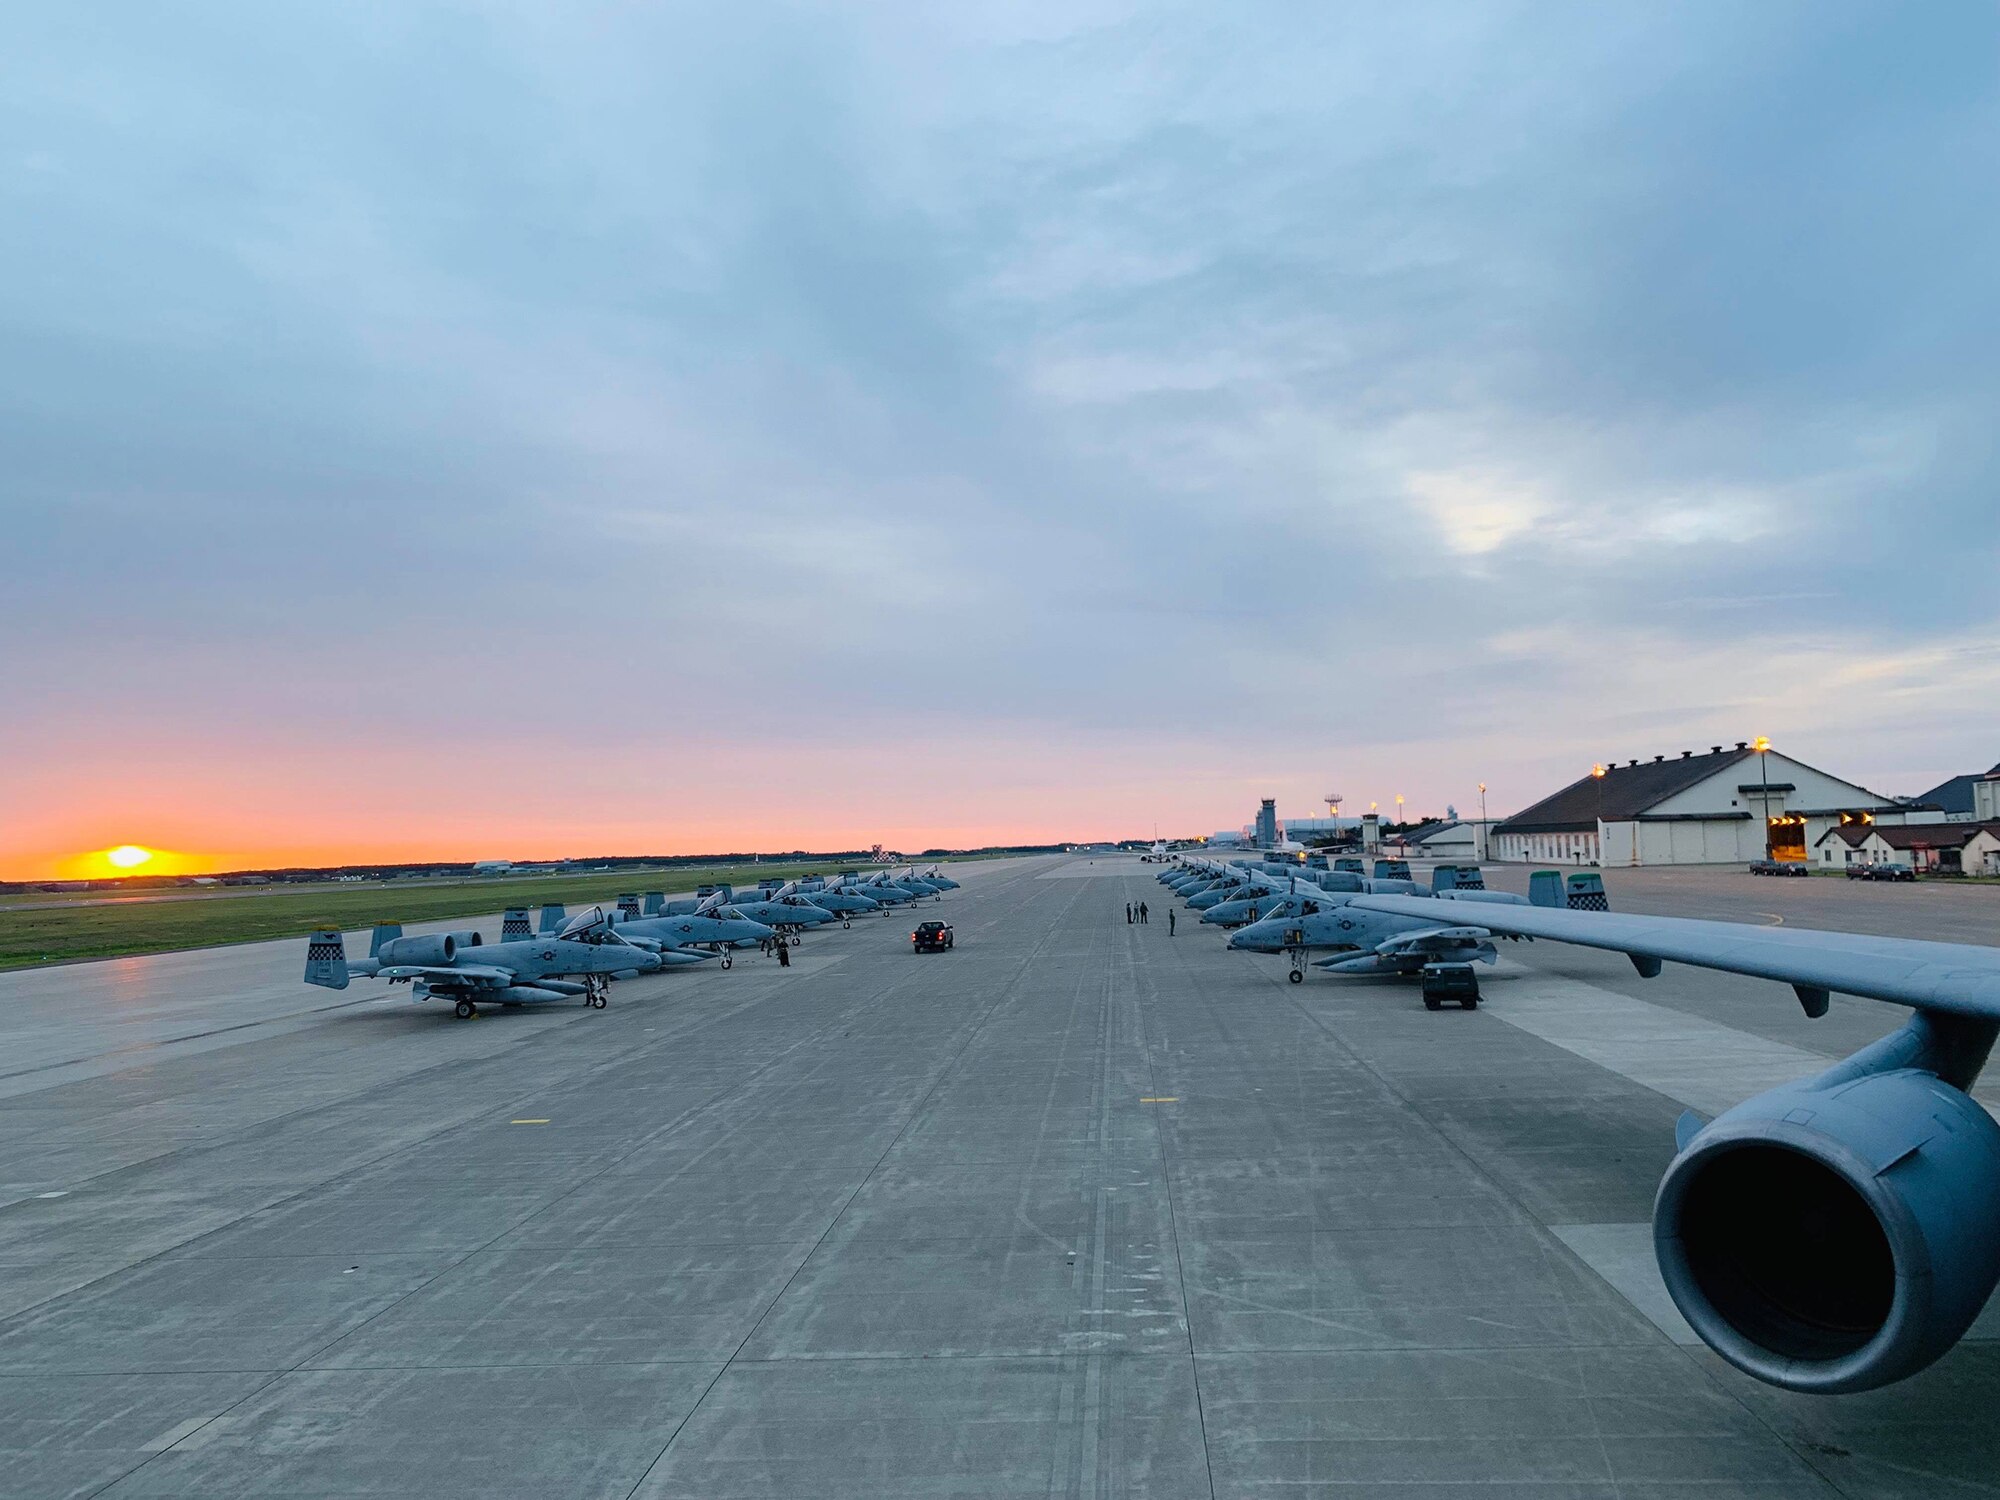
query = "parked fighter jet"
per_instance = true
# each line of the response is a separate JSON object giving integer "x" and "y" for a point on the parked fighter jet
{"x": 787, "y": 915}
{"x": 1240, "y": 911}
{"x": 883, "y": 891}
{"x": 1370, "y": 941}
{"x": 1841, "y": 1232}
{"x": 846, "y": 905}
{"x": 463, "y": 968}
{"x": 716, "y": 933}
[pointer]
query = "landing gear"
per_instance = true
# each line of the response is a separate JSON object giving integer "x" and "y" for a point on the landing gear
{"x": 599, "y": 1001}
{"x": 1298, "y": 973}
{"x": 728, "y": 960}
{"x": 465, "y": 1010}
{"x": 846, "y": 922}
{"x": 794, "y": 940}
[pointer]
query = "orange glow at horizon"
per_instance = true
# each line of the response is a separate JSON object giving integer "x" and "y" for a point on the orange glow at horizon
{"x": 125, "y": 860}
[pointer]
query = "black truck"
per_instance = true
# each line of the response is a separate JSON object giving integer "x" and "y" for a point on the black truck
{"x": 931, "y": 937}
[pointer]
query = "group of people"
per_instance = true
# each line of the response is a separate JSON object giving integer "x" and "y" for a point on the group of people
{"x": 1136, "y": 912}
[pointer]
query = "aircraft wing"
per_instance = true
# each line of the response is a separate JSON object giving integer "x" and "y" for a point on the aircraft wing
{"x": 1960, "y": 978}
{"x": 479, "y": 974}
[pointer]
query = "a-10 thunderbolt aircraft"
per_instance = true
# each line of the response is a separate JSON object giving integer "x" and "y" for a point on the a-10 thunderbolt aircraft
{"x": 1363, "y": 941}
{"x": 786, "y": 914}
{"x": 715, "y": 933}
{"x": 468, "y": 971}
{"x": 1301, "y": 911}
{"x": 1841, "y": 1232}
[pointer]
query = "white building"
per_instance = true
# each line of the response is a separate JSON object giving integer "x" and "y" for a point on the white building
{"x": 1725, "y": 807}
{"x": 1958, "y": 848}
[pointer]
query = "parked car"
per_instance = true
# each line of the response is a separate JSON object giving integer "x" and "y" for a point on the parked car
{"x": 1779, "y": 867}
{"x": 1886, "y": 869}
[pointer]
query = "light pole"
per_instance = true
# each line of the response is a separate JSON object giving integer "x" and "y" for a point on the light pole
{"x": 1597, "y": 775}
{"x": 1399, "y": 808}
{"x": 1762, "y": 745}
{"x": 1480, "y": 843}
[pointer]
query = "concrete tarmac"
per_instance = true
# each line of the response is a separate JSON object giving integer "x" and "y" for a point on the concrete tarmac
{"x": 1076, "y": 1209}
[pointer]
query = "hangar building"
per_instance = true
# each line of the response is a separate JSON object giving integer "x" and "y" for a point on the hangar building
{"x": 1717, "y": 808}
{"x": 1973, "y": 796}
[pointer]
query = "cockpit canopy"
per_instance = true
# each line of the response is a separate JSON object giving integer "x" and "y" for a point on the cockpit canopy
{"x": 586, "y": 927}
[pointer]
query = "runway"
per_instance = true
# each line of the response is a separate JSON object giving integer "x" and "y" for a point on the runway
{"x": 1077, "y": 1209}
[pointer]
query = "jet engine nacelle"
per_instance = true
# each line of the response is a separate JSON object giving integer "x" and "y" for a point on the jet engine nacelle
{"x": 467, "y": 939}
{"x": 1835, "y": 1237}
{"x": 438, "y": 948}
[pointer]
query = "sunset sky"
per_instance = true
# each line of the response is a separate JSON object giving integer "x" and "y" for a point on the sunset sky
{"x": 432, "y": 431}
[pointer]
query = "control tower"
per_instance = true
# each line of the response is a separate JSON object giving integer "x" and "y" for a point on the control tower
{"x": 1267, "y": 823}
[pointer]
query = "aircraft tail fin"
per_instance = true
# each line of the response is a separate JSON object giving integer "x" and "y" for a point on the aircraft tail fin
{"x": 514, "y": 925}
{"x": 654, "y": 901}
{"x": 326, "y": 960}
{"x": 384, "y": 932}
{"x": 553, "y": 917}
{"x": 628, "y": 906}
{"x": 1583, "y": 891}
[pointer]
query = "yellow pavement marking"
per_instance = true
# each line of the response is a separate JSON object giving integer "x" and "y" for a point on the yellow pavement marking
{"x": 1163, "y": 1099}
{"x": 527, "y": 1122}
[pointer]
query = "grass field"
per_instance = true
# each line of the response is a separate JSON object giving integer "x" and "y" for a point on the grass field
{"x": 247, "y": 915}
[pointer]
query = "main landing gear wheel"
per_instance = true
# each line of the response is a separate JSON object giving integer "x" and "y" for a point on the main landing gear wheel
{"x": 465, "y": 1010}
{"x": 1297, "y": 976}
{"x": 793, "y": 940}
{"x": 844, "y": 922}
{"x": 728, "y": 961}
{"x": 598, "y": 1002}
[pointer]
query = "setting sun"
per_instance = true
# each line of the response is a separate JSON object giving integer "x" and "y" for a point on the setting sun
{"x": 128, "y": 856}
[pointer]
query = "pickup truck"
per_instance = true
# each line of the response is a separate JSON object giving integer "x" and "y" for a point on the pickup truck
{"x": 931, "y": 937}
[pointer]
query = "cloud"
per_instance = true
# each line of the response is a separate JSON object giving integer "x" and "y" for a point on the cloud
{"x": 880, "y": 381}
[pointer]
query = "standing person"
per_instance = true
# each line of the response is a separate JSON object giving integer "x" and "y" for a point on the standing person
{"x": 1170, "y": 921}
{"x": 1128, "y": 913}
{"x": 1143, "y": 914}
{"x": 784, "y": 954}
